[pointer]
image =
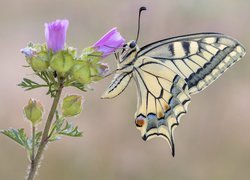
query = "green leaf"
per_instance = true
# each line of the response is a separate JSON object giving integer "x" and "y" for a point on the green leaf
{"x": 28, "y": 84}
{"x": 80, "y": 86}
{"x": 59, "y": 127}
{"x": 58, "y": 123}
{"x": 38, "y": 138}
{"x": 70, "y": 130}
{"x": 49, "y": 79}
{"x": 56, "y": 127}
{"x": 54, "y": 137}
{"x": 19, "y": 136}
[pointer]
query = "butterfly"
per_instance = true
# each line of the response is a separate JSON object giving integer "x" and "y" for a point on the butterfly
{"x": 167, "y": 73}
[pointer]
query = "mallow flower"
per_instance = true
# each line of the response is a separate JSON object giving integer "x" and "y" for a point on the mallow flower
{"x": 55, "y": 34}
{"x": 111, "y": 41}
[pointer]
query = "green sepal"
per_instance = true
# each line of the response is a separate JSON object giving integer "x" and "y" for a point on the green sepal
{"x": 39, "y": 62}
{"x": 90, "y": 53}
{"x": 72, "y": 51}
{"x": 33, "y": 111}
{"x": 96, "y": 78}
{"x": 72, "y": 105}
{"x": 62, "y": 61}
{"x": 81, "y": 72}
{"x": 93, "y": 69}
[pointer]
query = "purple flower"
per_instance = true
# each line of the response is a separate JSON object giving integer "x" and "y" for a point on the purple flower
{"x": 111, "y": 41}
{"x": 55, "y": 34}
{"x": 28, "y": 51}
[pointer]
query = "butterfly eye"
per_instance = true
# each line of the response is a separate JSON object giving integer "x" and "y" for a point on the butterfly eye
{"x": 132, "y": 45}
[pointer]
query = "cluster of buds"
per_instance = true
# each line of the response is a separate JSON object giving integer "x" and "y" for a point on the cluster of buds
{"x": 71, "y": 106}
{"x": 56, "y": 57}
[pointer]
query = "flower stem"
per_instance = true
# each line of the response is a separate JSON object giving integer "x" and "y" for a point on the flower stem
{"x": 45, "y": 138}
{"x": 33, "y": 142}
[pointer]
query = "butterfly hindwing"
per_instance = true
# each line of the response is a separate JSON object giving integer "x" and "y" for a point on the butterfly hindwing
{"x": 198, "y": 58}
{"x": 162, "y": 98}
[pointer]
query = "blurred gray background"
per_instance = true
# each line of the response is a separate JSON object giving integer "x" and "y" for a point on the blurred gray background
{"x": 212, "y": 141}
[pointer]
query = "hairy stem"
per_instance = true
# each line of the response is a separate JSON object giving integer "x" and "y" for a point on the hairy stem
{"x": 33, "y": 142}
{"x": 35, "y": 162}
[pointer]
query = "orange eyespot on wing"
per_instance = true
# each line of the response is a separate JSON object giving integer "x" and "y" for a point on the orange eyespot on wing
{"x": 139, "y": 121}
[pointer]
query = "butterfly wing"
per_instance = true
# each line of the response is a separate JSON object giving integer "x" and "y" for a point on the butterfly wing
{"x": 118, "y": 85}
{"x": 198, "y": 58}
{"x": 162, "y": 98}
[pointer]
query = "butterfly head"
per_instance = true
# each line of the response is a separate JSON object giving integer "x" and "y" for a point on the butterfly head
{"x": 128, "y": 52}
{"x": 130, "y": 49}
{"x": 132, "y": 44}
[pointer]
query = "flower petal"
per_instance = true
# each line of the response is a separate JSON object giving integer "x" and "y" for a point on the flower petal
{"x": 109, "y": 43}
{"x": 55, "y": 34}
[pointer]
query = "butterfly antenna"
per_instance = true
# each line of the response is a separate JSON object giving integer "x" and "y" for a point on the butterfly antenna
{"x": 139, "y": 22}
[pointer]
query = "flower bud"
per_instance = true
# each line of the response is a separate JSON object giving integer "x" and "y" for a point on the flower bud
{"x": 33, "y": 111}
{"x": 103, "y": 69}
{"x": 28, "y": 51}
{"x": 81, "y": 72}
{"x": 62, "y": 62}
{"x": 98, "y": 71}
{"x": 72, "y": 105}
{"x": 39, "y": 62}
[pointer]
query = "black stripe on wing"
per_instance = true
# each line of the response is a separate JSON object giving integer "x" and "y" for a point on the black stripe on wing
{"x": 149, "y": 47}
{"x": 198, "y": 58}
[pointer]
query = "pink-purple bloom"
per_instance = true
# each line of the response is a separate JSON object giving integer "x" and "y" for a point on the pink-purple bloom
{"x": 55, "y": 34}
{"x": 109, "y": 43}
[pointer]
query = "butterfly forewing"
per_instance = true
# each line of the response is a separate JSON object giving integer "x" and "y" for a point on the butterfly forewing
{"x": 162, "y": 98}
{"x": 198, "y": 58}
